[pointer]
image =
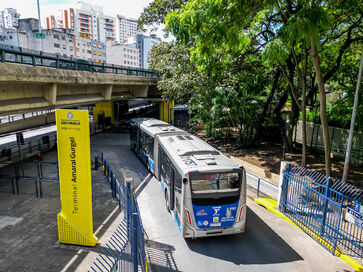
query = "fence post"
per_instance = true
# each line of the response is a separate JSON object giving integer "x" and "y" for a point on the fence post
{"x": 281, "y": 179}
{"x": 258, "y": 187}
{"x": 135, "y": 242}
{"x": 39, "y": 179}
{"x": 16, "y": 179}
{"x": 326, "y": 203}
{"x": 113, "y": 184}
{"x": 96, "y": 163}
{"x": 285, "y": 185}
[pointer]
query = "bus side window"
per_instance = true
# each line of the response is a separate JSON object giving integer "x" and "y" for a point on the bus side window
{"x": 167, "y": 169}
{"x": 162, "y": 161}
{"x": 151, "y": 146}
{"x": 178, "y": 180}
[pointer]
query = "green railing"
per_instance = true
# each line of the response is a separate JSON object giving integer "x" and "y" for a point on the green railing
{"x": 14, "y": 54}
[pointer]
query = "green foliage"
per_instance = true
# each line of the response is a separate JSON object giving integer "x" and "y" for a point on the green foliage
{"x": 226, "y": 53}
{"x": 154, "y": 14}
{"x": 339, "y": 111}
{"x": 275, "y": 52}
{"x": 180, "y": 79}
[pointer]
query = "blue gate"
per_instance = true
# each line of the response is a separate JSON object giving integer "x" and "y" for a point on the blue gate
{"x": 330, "y": 212}
{"x": 125, "y": 251}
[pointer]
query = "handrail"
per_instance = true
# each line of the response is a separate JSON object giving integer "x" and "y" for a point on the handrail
{"x": 39, "y": 58}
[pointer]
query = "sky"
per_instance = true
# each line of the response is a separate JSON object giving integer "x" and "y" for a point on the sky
{"x": 28, "y": 8}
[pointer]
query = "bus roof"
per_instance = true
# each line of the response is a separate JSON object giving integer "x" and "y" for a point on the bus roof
{"x": 154, "y": 129}
{"x": 190, "y": 153}
{"x": 155, "y": 123}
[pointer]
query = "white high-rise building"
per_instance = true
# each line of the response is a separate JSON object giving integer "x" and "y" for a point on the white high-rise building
{"x": 9, "y": 18}
{"x": 87, "y": 21}
{"x": 91, "y": 23}
{"x": 126, "y": 28}
{"x": 123, "y": 55}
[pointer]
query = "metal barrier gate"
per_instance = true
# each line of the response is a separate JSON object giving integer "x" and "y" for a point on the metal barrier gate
{"x": 330, "y": 212}
{"x": 128, "y": 239}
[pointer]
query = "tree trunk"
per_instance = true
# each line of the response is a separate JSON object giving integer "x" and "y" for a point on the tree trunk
{"x": 303, "y": 107}
{"x": 322, "y": 97}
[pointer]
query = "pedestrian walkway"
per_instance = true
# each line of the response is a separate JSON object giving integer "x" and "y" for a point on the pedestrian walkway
{"x": 269, "y": 243}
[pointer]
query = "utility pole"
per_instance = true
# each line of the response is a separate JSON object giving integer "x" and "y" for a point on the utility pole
{"x": 40, "y": 26}
{"x": 352, "y": 122}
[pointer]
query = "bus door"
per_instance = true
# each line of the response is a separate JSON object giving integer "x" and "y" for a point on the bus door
{"x": 138, "y": 130}
{"x": 178, "y": 196}
{"x": 172, "y": 188}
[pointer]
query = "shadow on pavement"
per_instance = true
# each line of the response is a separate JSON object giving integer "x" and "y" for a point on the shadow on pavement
{"x": 258, "y": 245}
{"x": 161, "y": 256}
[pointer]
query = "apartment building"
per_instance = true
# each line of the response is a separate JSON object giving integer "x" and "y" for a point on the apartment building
{"x": 127, "y": 27}
{"x": 83, "y": 48}
{"x": 99, "y": 52}
{"x": 123, "y": 55}
{"x": 9, "y": 18}
{"x": 144, "y": 44}
{"x": 59, "y": 41}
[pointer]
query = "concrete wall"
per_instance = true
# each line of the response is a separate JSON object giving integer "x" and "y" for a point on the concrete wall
{"x": 338, "y": 138}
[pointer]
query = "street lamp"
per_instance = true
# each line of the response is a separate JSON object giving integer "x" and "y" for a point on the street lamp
{"x": 40, "y": 26}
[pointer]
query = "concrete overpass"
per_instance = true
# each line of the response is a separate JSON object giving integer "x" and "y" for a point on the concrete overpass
{"x": 25, "y": 88}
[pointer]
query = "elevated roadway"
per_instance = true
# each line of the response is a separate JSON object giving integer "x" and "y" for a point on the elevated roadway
{"x": 25, "y": 88}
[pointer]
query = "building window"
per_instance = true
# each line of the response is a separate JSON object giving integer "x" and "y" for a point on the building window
{"x": 55, "y": 36}
{"x": 57, "y": 45}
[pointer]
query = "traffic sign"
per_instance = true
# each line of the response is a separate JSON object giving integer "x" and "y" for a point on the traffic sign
{"x": 40, "y": 35}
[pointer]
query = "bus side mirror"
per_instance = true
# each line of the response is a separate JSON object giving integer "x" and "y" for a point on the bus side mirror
{"x": 185, "y": 180}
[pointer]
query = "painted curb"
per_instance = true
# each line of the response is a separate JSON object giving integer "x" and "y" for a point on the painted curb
{"x": 271, "y": 205}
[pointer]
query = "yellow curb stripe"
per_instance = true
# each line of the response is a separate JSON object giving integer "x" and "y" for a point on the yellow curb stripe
{"x": 271, "y": 205}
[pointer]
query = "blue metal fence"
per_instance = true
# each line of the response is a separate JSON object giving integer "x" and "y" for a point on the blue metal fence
{"x": 323, "y": 208}
{"x": 125, "y": 251}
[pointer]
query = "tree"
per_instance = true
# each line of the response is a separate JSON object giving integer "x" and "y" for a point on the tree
{"x": 154, "y": 14}
{"x": 220, "y": 29}
{"x": 179, "y": 79}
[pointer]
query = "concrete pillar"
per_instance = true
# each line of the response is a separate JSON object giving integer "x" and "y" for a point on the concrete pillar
{"x": 107, "y": 92}
{"x": 50, "y": 94}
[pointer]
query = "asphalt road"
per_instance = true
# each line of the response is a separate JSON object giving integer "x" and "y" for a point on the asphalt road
{"x": 268, "y": 244}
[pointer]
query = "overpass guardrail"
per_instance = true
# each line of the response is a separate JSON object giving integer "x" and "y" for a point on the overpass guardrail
{"x": 19, "y": 55}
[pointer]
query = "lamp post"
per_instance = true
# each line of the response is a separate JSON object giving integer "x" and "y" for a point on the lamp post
{"x": 40, "y": 26}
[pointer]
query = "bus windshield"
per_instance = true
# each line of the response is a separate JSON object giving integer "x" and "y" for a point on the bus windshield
{"x": 215, "y": 182}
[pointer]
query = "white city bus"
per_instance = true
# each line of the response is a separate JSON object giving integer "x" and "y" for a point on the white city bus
{"x": 203, "y": 189}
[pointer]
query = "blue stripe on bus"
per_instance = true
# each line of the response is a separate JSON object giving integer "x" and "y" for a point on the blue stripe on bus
{"x": 177, "y": 220}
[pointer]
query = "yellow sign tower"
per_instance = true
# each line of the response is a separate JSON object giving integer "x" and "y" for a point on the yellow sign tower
{"x": 75, "y": 223}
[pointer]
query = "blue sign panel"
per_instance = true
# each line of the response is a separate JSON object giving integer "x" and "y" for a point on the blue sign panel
{"x": 218, "y": 216}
